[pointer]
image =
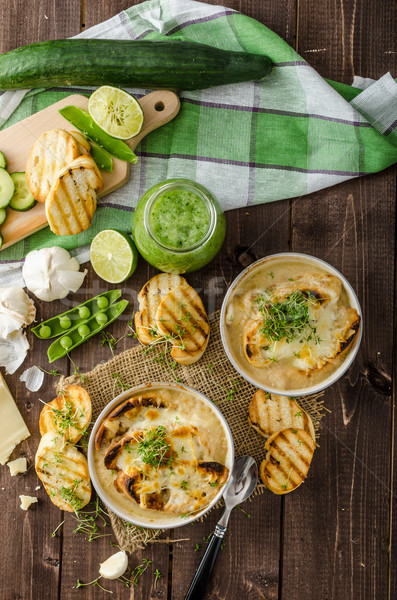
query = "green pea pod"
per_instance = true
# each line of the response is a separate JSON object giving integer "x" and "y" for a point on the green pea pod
{"x": 59, "y": 348}
{"x": 102, "y": 159}
{"x": 83, "y": 121}
{"x": 52, "y": 327}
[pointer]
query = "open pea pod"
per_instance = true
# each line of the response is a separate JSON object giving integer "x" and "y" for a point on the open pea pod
{"x": 76, "y": 316}
{"x": 80, "y": 333}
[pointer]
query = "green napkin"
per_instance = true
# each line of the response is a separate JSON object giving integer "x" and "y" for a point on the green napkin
{"x": 250, "y": 143}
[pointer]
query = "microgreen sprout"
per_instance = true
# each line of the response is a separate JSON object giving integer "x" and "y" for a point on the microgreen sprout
{"x": 94, "y": 582}
{"x": 157, "y": 576}
{"x": 120, "y": 382}
{"x": 247, "y": 514}
{"x": 56, "y": 529}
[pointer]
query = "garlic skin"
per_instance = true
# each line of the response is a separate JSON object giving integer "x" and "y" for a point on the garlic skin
{"x": 16, "y": 310}
{"x": 33, "y": 378}
{"x": 51, "y": 273}
{"x": 115, "y": 566}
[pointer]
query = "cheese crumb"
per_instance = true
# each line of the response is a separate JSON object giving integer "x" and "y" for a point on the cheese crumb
{"x": 19, "y": 465}
{"x": 26, "y": 501}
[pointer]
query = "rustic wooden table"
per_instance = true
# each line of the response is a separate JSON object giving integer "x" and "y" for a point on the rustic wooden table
{"x": 334, "y": 538}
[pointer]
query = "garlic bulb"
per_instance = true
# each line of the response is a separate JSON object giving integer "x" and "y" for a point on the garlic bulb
{"x": 51, "y": 273}
{"x": 16, "y": 310}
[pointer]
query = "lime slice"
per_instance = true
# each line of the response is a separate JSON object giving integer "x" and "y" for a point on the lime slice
{"x": 116, "y": 112}
{"x": 113, "y": 255}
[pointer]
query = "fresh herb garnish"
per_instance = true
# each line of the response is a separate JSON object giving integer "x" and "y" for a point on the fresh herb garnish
{"x": 154, "y": 449}
{"x": 69, "y": 495}
{"x": 94, "y": 582}
{"x": 157, "y": 576}
{"x": 288, "y": 318}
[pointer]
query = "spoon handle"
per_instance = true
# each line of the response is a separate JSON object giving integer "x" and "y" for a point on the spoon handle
{"x": 204, "y": 570}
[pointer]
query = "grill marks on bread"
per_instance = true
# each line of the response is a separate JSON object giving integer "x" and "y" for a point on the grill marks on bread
{"x": 182, "y": 316}
{"x": 71, "y": 201}
{"x": 171, "y": 309}
{"x": 52, "y": 151}
{"x": 150, "y": 296}
{"x": 269, "y": 413}
{"x": 64, "y": 472}
{"x": 67, "y": 415}
{"x": 289, "y": 454}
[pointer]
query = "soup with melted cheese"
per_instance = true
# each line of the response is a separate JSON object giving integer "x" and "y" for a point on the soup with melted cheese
{"x": 289, "y": 323}
{"x": 162, "y": 453}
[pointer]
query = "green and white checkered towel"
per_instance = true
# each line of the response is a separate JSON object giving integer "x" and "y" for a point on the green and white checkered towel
{"x": 249, "y": 143}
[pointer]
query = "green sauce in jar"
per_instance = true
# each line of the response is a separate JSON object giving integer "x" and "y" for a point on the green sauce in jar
{"x": 178, "y": 226}
{"x": 179, "y": 218}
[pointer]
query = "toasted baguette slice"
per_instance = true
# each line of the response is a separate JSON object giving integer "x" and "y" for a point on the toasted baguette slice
{"x": 268, "y": 413}
{"x": 290, "y": 452}
{"x": 64, "y": 473}
{"x": 82, "y": 141}
{"x": 181, "y": 315}
{"x": 71, "y": 202}
{"x": 150, "y": 296}
{"x": 68, "y": 415}
{"x": 52, "y": 151}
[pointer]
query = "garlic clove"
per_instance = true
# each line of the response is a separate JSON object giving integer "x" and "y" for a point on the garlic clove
{"x": 33, "y": 378}
{"x": 115, "y": 566}
{"x": 71, "y": 280}
{"x": 15, "y": 303}
{"x": 8, "y": 325}
{"x": 13, "y": 351}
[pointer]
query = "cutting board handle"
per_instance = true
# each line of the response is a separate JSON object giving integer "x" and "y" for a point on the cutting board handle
{"x": 159, "y": 108}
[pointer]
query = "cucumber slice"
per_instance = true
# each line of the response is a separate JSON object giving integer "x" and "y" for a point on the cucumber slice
{"x": 22, "y": 199}
{"x": 1, "y": 241}
{"x": 3, "y": 162}
{"x": 3, "y": 215}
{"x": 7, "y": 188}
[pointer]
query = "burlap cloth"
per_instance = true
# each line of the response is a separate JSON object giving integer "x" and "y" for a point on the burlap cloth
{"x": 213, "y": 376}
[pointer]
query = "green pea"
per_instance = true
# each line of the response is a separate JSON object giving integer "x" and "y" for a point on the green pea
{"x": 45, "y": 331}
{"x": 101, "y": 318}
{"x": 102, "y": 302}
{"x": 84, "y": 330}
{"x": 65, "y": 322}
{"x": 84, "y": 312}
{"x": 66, "y": 342}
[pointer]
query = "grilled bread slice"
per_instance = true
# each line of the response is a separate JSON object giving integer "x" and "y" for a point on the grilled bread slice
{"x": 68, "y": 415}
{"x": 268, "y": 413}
{"x": 150, "y": 296}
{"x": 181, "y": 315}
{"x": 71, "y": 202}
{"x": 52, "y": 151}
{"x": 84, "y": 144}
{"x": 64, "y": 473}
{"x": 323, "y": 287}
{"x": 290, "y": 452}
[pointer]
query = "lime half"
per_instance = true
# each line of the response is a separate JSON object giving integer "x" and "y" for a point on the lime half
{"x": 113, "y": 255}
{"x": 116, "y": 112}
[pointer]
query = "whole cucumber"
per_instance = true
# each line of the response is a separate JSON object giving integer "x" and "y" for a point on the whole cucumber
{"x": 167, "y": 64}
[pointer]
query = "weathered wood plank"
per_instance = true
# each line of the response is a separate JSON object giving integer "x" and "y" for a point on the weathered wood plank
{"x": 31, "y": 557}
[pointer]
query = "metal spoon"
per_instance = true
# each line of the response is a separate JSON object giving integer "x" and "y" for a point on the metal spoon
{"x": 242, "y": 484}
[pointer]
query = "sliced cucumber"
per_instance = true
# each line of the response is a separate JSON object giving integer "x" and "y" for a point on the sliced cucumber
{"x": 3, "y": 162}
{"x": 1, "y": 241}
{"x": 22, "y": 199}
{"x": 7, "y": 188}
{"x": 3, "y": 215}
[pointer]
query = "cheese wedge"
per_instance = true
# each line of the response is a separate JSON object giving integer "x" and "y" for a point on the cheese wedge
{"x": 12, "y": 426}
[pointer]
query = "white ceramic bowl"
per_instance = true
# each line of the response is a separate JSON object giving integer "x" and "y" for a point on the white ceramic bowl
{"x": 101, "y": 490}
{"x": 353, "y": 301}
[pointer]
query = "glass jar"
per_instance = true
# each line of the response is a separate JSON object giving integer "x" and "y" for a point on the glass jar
{"x": 178, "y": 226}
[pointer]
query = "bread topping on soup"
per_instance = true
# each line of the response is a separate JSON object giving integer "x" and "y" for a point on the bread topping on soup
{"x": 289, "y": 323}
{"x": 161, "y": 453}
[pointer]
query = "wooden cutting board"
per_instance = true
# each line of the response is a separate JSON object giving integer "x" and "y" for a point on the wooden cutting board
{"x": 158, "y": 107}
